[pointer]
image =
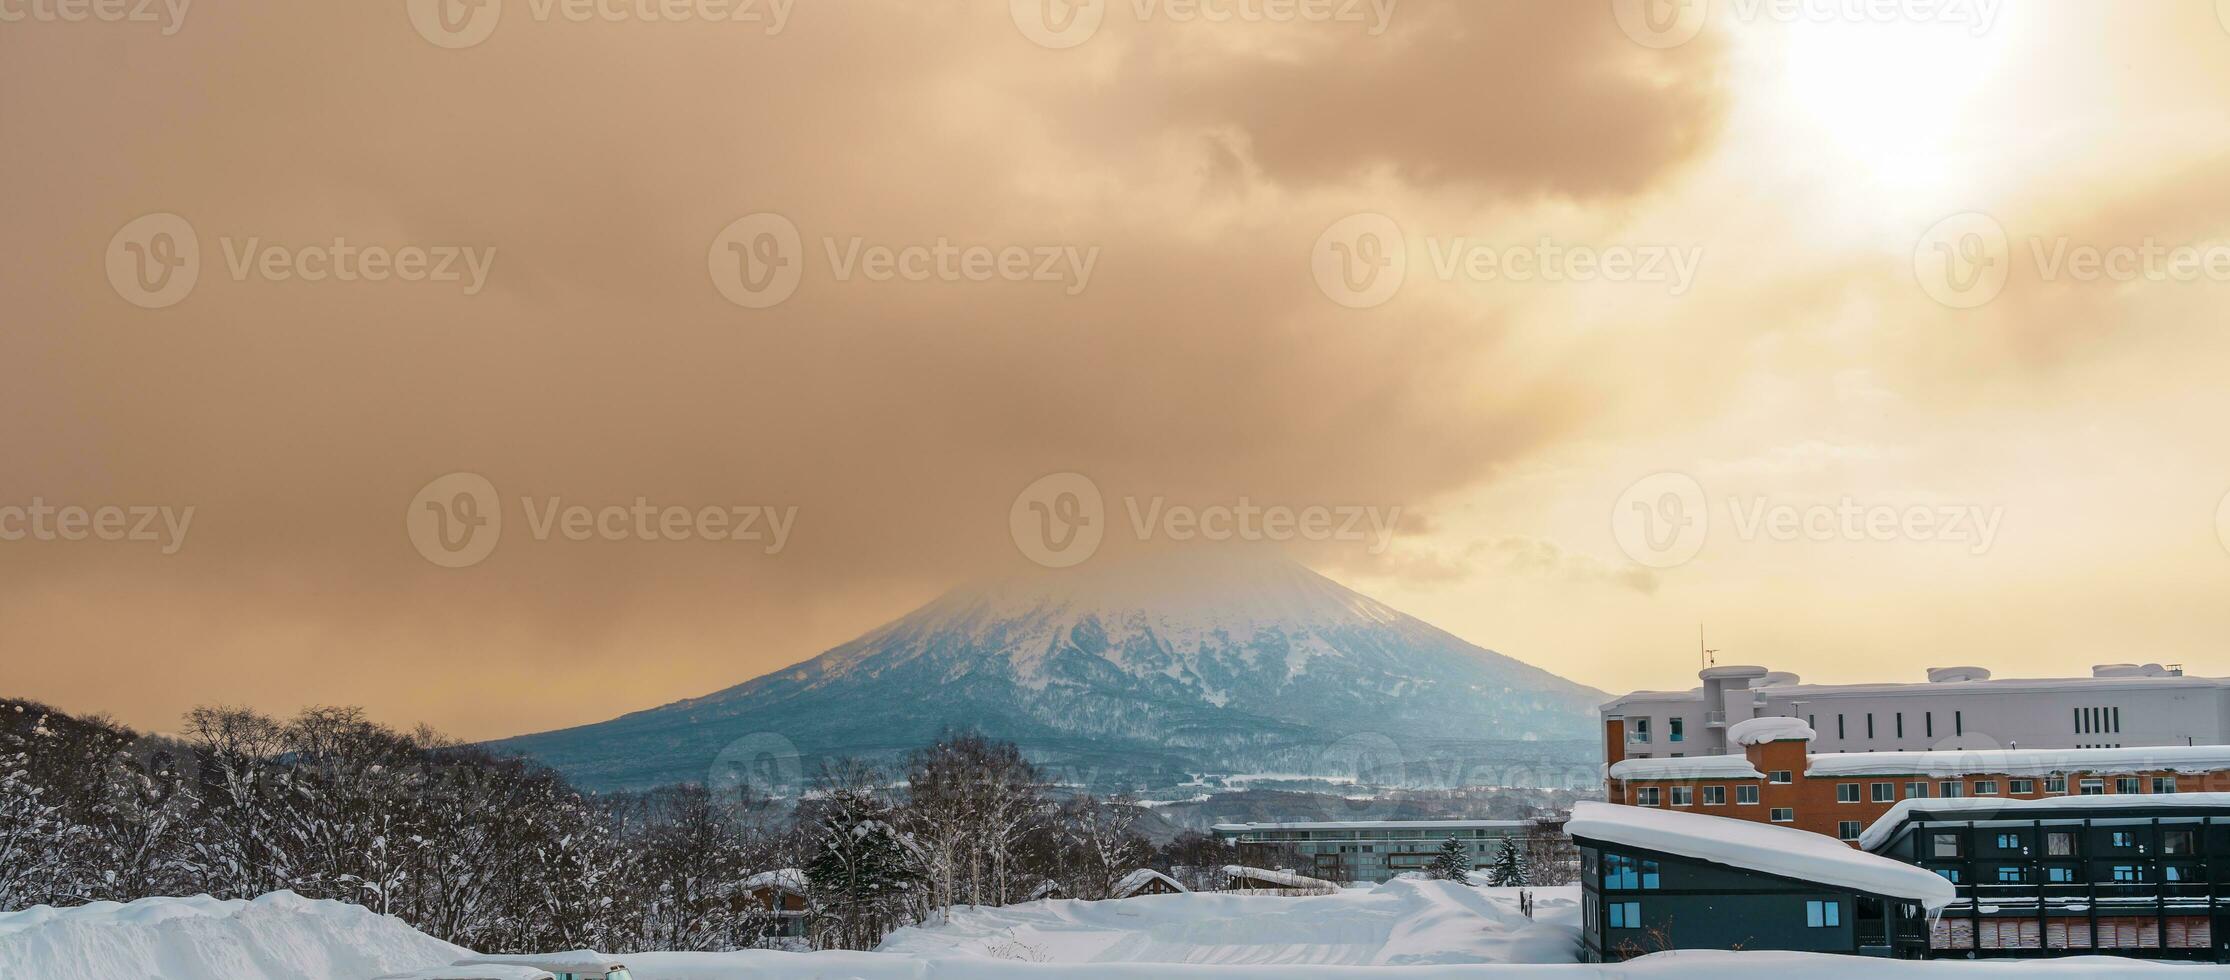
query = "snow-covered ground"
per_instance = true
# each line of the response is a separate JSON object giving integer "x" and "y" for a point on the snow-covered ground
{"x": 1404, "y": 930}
{"x": 281, "y": 936}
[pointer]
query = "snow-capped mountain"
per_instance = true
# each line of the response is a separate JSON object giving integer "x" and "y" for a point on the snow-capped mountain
{"x": 1136, "y": 674}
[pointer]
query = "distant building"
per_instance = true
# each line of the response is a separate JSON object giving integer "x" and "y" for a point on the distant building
{"x": 782, "y": 895}
{"x": 1240, "y": 878}
{"x": 1147, "y": 881}
{"x": 1365, "y": 850}
{"x": 2118, "y": 706}
{"x": 2129, "y": 875}
{"x": 1653, "y": 881}
{"x": 1776, "y": 779}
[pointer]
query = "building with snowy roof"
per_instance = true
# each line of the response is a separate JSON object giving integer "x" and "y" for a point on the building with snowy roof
{"x": 782, "y": 895}
{"x": 1147, "y": 881}
{"x": 1365, "y": 850}
{"x": 1240, "y": 878}
{"x": 1654, "y": 880}
{"x": 1777, "y": 778}
{"x": 2118, "y": 706}
{"x": 2126, "y": 875}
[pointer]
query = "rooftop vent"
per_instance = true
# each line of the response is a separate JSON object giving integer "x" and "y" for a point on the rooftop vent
{"x": 1951, "y": 675}
{"x": 2136, "y": 670}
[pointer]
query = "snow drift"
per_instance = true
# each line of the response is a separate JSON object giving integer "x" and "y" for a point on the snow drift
{"x": 281, "y": 936}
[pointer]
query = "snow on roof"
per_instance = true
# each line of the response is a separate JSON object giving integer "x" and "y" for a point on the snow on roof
{"x": 1282, "y": 879}
{"x": 790, "y": 880}
{"x": 476, "y": 971}
{"x": 1375, "y": 825}
{"x": 1783, "y": 851}
{"x": 1692, "y": 767}
{"x": 1760, "y": 730}
{"x": 1989, "y": 807}
{"x": 2024, "y": 762}
{"x": 1140, "y": 878}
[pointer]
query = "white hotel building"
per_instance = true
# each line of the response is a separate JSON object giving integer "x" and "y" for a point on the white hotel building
{"x": 2119, "y": 705}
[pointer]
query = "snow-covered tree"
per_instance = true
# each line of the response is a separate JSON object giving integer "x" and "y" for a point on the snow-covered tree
{"x": 1508, "y": 870}
{"x": 1451, "y": 863}
{"x": 861, "y": 871}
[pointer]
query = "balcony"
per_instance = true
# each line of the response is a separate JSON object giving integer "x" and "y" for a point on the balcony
{"x": 1714, "y": 719}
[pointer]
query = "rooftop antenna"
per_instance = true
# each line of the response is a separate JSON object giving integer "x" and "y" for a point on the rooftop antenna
{"x": 1710, "y": 656}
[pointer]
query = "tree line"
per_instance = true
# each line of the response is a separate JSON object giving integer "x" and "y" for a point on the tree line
{"x": 502, "y": 855}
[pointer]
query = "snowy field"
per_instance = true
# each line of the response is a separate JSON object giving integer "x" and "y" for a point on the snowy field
{"x": 1400, "y": 931}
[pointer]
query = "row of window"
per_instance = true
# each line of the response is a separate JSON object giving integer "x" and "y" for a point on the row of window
{"x": 2089, "y": 721}
{"x": 1817, "y": 915}
{"x": 1897, "y": 721}
{"x": 2061, "y": 843}
{"x": 2064, "y": 874}
{"x": 1886, "y": 792}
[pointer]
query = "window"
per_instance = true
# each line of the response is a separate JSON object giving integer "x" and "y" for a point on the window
{"x": 2124, "y": 838}
{"x": 1916, "y": 791}
{"x": 1782, "y": 814}
{"x": 1823, "y": 915}
{"x": 1623, "y": 873}
{"x": 2022, "y": 787}
{"x": 2009, "y": 842}
{"x": 2164, "y": 784}
{"x": 1674, "y": 729}
{"x": 1647, "y": 796}
{"x": 1985, "y": 787}
{"x": 1958, "y": 723}
{"x": 1900, "y": 724}
{"x": 1849, "y": 829}
{"x": 1948, "y": 874}
{"x": 1839, "y": 732}
{"x": 1777, "y": 776}
{"x": 1746, "y": 795}
{"x": 1715, "y": 796}
{"x": 2126, "y": 873}
{"x": 1885, "y": 792}
{"x": 2059, "y": 843}
{"x": 2175, "y": 842}
{"x": 1640, "y": 732}
{"x": 1626, "y": 915}
{"x": 2060, "y": 875}
{"x": 2091, "y": 787}
{"x": 1684, "y": 796}
{"x": 1953, "y": 789}
{"x": 2177, "y": 872}
{"x": 2012, "y": 874}
{"x": 2055, "y": 784}
{"x": 1931, "y": 719}
{"x": 1947, "y": 845}
{"x": 1846, "y": 792}
{"x": 1869, "y": 725}
{"x": 2126, "y": 785}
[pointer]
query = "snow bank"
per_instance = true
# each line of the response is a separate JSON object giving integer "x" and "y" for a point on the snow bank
{"x": 1996, "y": 807}
{"x": 1401, "y": 922}
{"x": 281, "y": 936}
{"x": 1757, "y": 731}
{"x": 1775, "y": 850}
{"x": 2024, "y": 762}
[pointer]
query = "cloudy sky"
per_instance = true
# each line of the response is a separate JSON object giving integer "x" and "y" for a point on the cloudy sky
{"x": 1870, "y": 343}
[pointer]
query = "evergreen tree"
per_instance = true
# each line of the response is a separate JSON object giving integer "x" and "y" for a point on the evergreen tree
{"x": 861, "y": 873}
{"x": 1509, "y": 866}
{"x": 1453, "y": 863}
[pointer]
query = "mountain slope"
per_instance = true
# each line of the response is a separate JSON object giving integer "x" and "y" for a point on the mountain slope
{"x": 1134, "y": 675}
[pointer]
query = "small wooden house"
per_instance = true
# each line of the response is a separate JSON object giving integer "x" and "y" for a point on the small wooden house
{"x": 1147, "y": 881}
{"x": 781, "y": 893}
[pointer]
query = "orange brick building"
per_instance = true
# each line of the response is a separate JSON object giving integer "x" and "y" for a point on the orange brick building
{"x": 1778, "y": 780}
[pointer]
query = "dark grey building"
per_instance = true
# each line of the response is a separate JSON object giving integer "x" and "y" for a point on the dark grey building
{"x": 1653, "y": 880}
{"x": 2141, "y": 874}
